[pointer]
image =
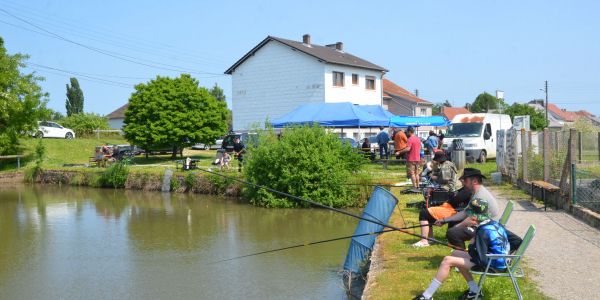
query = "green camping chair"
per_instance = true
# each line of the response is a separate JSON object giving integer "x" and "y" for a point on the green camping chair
{"x": 506, "y": 214}
{"x": 513, "y": 268}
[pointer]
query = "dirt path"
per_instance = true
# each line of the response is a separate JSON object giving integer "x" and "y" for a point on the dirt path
{"x": 565, "y": 252}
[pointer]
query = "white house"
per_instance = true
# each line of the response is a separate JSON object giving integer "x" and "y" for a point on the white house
{"x": 278, "y": 75}
{"x": 116, "y": 118}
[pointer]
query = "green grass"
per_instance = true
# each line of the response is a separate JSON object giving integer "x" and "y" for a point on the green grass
{"x": 407, "y": 271}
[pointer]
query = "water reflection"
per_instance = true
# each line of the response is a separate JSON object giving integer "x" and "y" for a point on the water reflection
{"x": 102, "y": 243}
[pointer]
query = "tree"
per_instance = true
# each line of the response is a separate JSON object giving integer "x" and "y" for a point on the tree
{"x": 485, "y": 102}
{"x": 22, "y": 101}
{"x": 537, "y": 118}
{"x": 175, "y": 113}
{"x": 74, "y": 103}
{"x": 218, "y": 93}
{"x": 84, "y": 124}
{"x": 436, "y": 109}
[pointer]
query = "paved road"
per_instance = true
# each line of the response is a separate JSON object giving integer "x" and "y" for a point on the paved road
{"x": 565, "y": 251}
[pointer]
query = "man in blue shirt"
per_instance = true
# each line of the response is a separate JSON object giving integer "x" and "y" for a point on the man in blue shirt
{"x": 382, "y": 140}
{"x": 431, "y": 143}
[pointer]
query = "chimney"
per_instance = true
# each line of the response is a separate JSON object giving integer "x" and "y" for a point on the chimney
{"x": 306, "y": 39}
{"x": 339, "y": 46}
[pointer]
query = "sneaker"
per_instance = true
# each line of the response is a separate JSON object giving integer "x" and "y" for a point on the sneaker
{"x": 470, "y": 295}
{"x": 420, "y": 244}
{"x": 421, "y": 297}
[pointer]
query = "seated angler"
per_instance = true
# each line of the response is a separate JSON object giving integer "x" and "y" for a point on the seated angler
{"x": 490, "y": 238}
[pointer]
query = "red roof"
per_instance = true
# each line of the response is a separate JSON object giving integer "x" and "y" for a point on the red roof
{"x": 451, "y": 112}
{"x": 119, "y": 113}
{"x": 391, "y": 89}
{"x": 567, "y": 116}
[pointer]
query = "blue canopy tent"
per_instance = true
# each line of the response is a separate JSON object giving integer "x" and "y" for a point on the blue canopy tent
{"x": 343, "y": 114}
{"x": 377, "y": 110}
{"x": 405, "y": 121}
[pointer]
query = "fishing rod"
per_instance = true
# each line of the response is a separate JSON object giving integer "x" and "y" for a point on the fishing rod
{"x": 332, "y": 209}
{"x": 312, "y": 243}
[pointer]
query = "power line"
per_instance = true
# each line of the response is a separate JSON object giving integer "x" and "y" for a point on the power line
{"x": 110, "y": 37}
{"x": 107, "y": 53}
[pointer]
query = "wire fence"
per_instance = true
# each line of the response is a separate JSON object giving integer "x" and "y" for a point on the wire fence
{"x": 587, "y": 186}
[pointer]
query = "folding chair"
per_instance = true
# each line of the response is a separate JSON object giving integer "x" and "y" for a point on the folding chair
{"x": 506, "y": 214}
{"x": 513, "y": 269}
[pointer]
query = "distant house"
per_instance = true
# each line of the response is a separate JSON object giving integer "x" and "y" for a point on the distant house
{"x": 116, "y": 118}
{"x": 278, "y": 75}
{"x": 401, "y": 102}
{"x": 451, "y": 112}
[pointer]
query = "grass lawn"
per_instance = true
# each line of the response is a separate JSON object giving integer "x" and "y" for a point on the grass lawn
{"x": 407, "y": 271}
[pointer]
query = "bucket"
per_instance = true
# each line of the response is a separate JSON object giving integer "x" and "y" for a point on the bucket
{"x": 497, "y": 177}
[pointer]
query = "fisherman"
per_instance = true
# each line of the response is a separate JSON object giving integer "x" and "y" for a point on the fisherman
{"x": 490, "y": 238}
{"x": 239, "y": 148}
{"x": 382, "y": 140}
{"x": 465, "y": 230}
{"x": 413, "y": 158}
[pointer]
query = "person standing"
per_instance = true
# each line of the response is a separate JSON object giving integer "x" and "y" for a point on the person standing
{"x": 431, "y": 144}
{"x": 413, "y": 157}
{"x": 383, "y": 139}
{"x": 400, "y": 142}
{"x": 239, "y": 149}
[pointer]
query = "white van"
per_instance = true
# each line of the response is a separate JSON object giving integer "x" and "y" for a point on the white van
{"x": 478, "y": 132}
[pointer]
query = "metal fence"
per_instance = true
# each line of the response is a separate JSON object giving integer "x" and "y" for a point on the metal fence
{"x": 587, "y": 185}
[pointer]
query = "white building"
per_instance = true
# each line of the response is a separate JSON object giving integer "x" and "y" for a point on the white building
{"x": 278, "y": 75}
{"x": 117, "y": 117}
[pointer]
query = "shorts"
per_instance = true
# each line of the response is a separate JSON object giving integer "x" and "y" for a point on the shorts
{"x": 412, "y": 168}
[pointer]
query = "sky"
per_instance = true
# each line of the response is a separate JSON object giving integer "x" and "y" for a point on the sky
{"x": 448, "y": 50}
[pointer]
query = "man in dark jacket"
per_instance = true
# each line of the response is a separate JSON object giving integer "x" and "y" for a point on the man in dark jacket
{"x": 490, "y": 238}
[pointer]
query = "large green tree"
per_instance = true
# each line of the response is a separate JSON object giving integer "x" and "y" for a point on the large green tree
{"x": 74, "y": 103}
{"x": 22, "y": 101}
{"x": 218, "y": 93}
{"x": 175, "y": 113}
{"x": 537, "y": 118}
{"x": 486, "y": 102}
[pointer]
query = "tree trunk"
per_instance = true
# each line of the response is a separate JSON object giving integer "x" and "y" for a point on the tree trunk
{"x": 174, "y": 153}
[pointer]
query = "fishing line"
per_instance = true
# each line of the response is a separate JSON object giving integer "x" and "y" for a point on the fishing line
{"x": 312, "y": 243}
{"x": 333, "y": 209}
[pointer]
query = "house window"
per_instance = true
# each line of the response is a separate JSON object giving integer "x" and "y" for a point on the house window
{"x": 355, "y": 79}
{"x": 370, "y": 82}
{"x": 338, "y": 79}
{"x": 423, "y": 111}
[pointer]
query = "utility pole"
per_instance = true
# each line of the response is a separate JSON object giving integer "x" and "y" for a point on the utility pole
{"x": 546, "y": 90}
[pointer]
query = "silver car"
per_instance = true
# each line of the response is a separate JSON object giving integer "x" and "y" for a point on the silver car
{"x": 216, "y": 145}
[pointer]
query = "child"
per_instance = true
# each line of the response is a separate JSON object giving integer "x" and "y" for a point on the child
{"x": 225, "y": 159}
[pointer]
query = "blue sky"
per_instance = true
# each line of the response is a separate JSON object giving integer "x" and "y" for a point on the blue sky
{"x": 446, "y": 49}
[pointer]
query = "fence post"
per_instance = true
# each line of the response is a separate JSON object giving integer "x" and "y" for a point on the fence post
{"x": 556, "y": 141}
{"x": 579, "y": 146}
{"x": 547, "y": 154}
{"x": 572, "y": 159}
{"x": 524, "y": 151}
{"x": 573, "y": 184}
{"x": 98, "y": 133}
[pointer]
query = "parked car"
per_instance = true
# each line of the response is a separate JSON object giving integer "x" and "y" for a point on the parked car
{"x": 216, "y": 145}
{"x": 121, "y": 151}
{"x": 247, "y": 138}
{"x": 350, "y": 141}
{"x": 48, "y": 129}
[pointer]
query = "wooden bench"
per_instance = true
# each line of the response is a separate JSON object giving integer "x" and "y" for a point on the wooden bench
{"x": 545, "y": 186}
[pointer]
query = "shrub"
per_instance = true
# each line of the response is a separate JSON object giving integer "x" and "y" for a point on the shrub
{"x": 84, "y": 124}
{"x": 116, "y": 175}
{"x": 306, "y": 162}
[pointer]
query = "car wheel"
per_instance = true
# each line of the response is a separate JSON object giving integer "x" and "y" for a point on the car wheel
{"x": 39, "y": 134}
{"x": 206, "y": 147}
{"x": 482, "y": 157}
{"x": 69, "y": 136}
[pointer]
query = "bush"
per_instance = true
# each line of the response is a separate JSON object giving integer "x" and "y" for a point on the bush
{"x": 116, "y": 175}
{"x": 306, "y": 162}
{"x": 84, "y": 124}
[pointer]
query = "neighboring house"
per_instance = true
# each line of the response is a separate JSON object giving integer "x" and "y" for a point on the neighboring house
{"x": 583, "y": 113}
{"x": 451, "y": 112}
{"x": 401, "y": 102}
{"x": 116, "y": 118}
{"x": 278, "y": 75}
{"x": 554, "y": 121}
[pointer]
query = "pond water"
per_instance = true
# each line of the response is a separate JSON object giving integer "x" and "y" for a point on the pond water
{"x": 82, "y": 243}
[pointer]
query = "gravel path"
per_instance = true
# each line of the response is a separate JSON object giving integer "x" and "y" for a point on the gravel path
{"x": 565, "y": 252}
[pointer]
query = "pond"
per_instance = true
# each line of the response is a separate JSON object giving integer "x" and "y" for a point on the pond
{"x": 83, "y": 243}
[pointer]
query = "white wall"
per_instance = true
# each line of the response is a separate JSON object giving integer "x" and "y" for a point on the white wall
{"x": 116, "y": 123}
{"x": 356, "y": 94}
{"x": 272, "y": 83}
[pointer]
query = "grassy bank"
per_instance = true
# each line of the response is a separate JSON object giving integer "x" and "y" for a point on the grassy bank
{"x": 406, "y": 271}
